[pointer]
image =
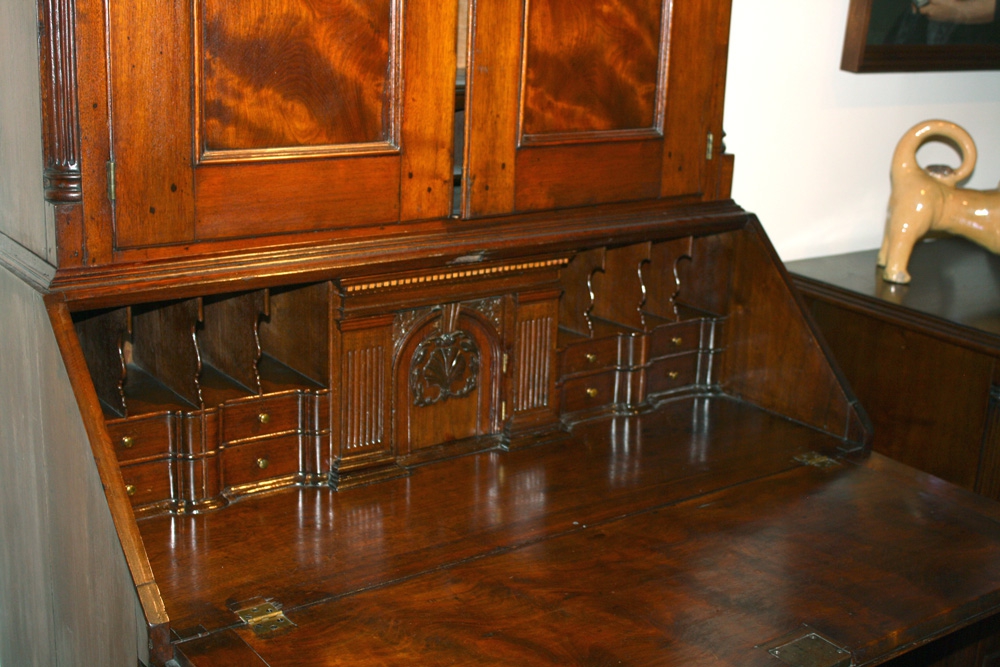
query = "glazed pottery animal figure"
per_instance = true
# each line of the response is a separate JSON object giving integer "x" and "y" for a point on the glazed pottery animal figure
{"x": 925, "y": 200}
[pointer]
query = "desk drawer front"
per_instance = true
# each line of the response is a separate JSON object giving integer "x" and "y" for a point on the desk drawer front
{"x": 591, "y": 392}
{"x": 142, "y": 437}
{"x": 672, "y": 373}
{"x": 674, "y": 338}
{"x": 149, "y": 483}
{"x": 259, "y": 461}
{"x": 257, "y": 417}
{"x": 590, "y": 356}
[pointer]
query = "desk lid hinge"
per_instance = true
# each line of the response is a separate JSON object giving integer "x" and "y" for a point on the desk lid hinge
{"x": 266, "y": 619}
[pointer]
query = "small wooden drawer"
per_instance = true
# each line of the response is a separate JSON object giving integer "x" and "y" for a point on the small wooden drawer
{"x": 150, "y": 482}
{"x": 589, "y": 392}
{"x": 260, "y": 460}
{"x": 589, "y": 356}
{"x": 142, "y": 437}
{"x": 673, "y": 372}
{"x": 673, "y": 338}
{"x": 257, "y": 417}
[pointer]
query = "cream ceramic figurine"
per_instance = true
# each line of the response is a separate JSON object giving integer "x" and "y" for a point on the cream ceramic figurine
{"x": 925, "y": 200}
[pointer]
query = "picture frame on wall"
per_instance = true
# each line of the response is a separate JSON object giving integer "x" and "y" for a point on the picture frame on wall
{"x": 902, "y": 36}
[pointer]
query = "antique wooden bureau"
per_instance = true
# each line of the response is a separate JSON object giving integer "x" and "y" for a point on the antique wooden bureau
{"x": 419, "y": 332}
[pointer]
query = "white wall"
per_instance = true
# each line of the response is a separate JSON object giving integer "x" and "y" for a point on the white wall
{"x": 813, "y": 143}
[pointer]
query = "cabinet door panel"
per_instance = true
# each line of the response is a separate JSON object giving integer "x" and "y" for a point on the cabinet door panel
{"x": 589, "y": 67}
{"x": 293, "y": 74}
{"x": 610, "y": 101}
{"x": 278, "y": 116}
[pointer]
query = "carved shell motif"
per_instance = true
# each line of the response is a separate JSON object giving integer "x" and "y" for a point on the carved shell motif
{"x": 444, "y": 366}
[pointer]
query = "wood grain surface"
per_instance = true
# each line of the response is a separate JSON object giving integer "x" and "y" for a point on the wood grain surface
{"x": 295, "y": 73}
{"x": 687, "y": 536}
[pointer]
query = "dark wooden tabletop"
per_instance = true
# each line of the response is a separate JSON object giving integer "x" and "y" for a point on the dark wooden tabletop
{"x": 686, "y": 536}
{"x": 952, "y": 279}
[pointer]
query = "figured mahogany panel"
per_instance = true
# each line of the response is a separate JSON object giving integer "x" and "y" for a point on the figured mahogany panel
{"x": 591, "y": 65}
{"x": 292, "y": 73}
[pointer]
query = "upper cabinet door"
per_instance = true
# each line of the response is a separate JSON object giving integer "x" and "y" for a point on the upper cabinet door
{"x": 233, "y": 120}
{"x": 575, "y": 102}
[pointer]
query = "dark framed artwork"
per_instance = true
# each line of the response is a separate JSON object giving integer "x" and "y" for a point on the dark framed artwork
{"x": 895, "y": 36}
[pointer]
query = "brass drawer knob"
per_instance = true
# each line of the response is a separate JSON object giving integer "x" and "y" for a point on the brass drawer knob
{"x": 591, "y": 358}
{"x": 673, "y": 375}
{"x": 130, "y": 489}
{"x": 127, "y": 441}
{"x": 592, "y": 392}
{"x": 264, "y": 418}
{"x": 262, "y": 463}
{"x": 677, "y": 340}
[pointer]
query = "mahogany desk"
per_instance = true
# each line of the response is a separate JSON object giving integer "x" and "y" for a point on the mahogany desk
{"x": 922, "y": 358}
{"x": 702, "y": 533}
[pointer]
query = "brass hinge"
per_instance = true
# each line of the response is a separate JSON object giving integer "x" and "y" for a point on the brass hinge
{"x": 710, "y": 146}
{"x": 110, "y": 168}
{"x": 816, "y": 460}
{"x": 504, "y": 370}
{"x": 266, "y": 620}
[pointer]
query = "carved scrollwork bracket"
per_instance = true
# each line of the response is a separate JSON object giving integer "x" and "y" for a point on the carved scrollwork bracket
{"x": 444, "y": 366}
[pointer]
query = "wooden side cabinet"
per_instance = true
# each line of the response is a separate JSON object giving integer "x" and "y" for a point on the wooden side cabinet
{"x": 924, "y": 358}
